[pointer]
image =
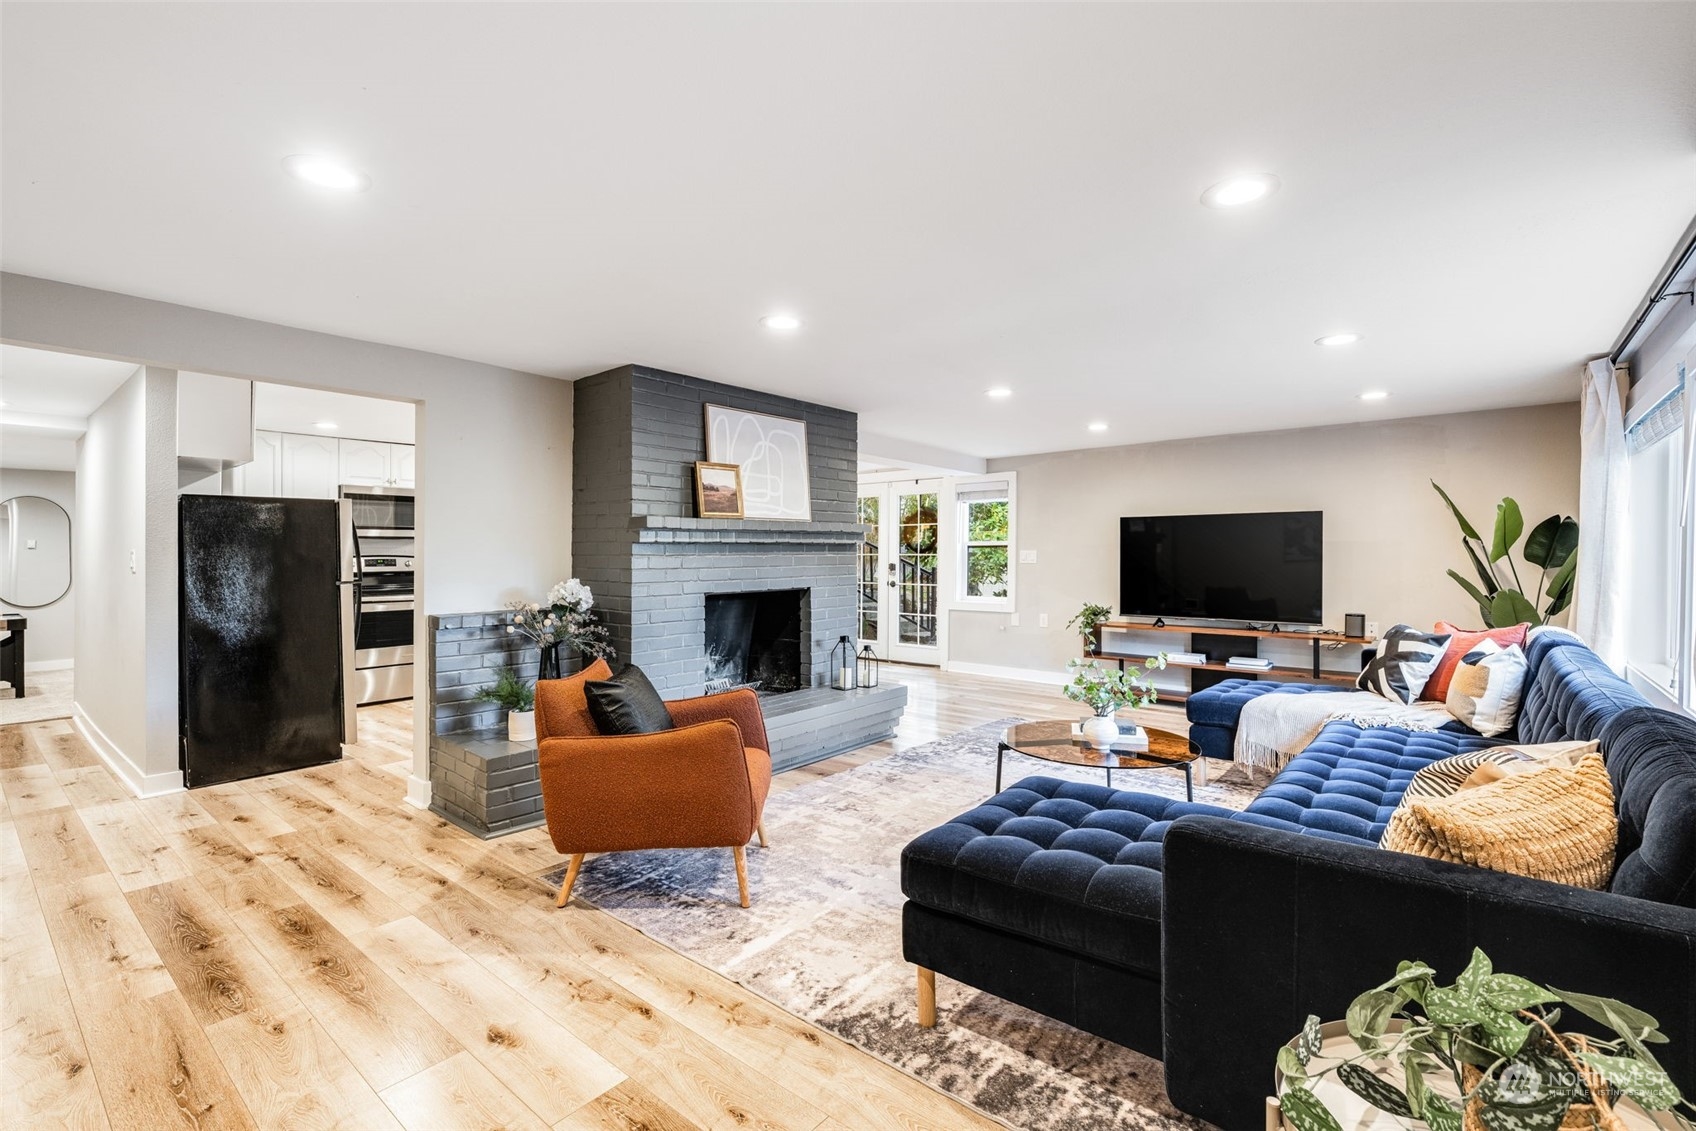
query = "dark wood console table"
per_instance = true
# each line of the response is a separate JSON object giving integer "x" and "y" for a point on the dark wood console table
{"x": 1237, "y": 641}
{"x": 12, "y": 653}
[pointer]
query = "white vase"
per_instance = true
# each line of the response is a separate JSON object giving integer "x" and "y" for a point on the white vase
{"x": 521, "y": 726}
{"x": 1100, "y": 731}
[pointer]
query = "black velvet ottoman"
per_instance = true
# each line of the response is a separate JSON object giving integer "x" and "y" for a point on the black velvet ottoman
{"x": 1048, "y": 895}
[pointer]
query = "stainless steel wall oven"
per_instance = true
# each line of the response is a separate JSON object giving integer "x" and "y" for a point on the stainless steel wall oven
{"x": 378, "y": 600}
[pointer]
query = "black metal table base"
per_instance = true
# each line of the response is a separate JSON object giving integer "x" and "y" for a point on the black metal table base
{"x": 1001, "y": 749}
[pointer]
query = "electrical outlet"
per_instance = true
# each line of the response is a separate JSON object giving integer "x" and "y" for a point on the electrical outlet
{"x": 1372, "y": 629}
{"x": 132, "y": 561}
{"x": 1042, "y": 620}
{"x": 1012, "y": 620}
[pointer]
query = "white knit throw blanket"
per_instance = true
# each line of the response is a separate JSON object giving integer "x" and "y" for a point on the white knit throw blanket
{"x": 1272, "y": 729}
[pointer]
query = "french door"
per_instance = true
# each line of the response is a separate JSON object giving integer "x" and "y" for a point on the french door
{"x": 900, "y": 614}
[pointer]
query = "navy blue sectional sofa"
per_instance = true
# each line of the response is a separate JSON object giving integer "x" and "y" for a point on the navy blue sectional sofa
{"x": 1204, "y": 936}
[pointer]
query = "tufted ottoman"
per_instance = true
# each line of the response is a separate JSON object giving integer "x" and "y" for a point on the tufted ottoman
{"x": 1213, "y": 711}
{"x": 1048, "y": 894}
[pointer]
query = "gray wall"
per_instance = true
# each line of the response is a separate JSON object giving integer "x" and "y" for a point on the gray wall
{"x": 650, "y": 563}
{"x": 51, "y": 627}
{"x": 1388, "y": 537}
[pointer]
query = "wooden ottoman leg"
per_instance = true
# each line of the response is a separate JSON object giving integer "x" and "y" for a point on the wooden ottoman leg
{"x": 927, "y": 998}
{"x": 761, "y": 829}
{"x": 570, "y": 880}
{"x": 741, "y": 872}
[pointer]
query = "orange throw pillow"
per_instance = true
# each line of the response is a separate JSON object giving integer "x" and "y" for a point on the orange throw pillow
{"x": 1462, "y": 641}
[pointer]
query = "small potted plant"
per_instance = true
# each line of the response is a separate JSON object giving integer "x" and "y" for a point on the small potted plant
{"x": 1493, "y": 1044}
{"x": 1086, "y": 621}
{"x": 519, "y": 699}
{"x": 1106, "y": 691}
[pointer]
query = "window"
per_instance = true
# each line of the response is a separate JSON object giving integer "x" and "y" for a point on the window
{"x": 1661, "y": 578}
{"x": 986, "y": 540}
{"x": 869, "y": 505}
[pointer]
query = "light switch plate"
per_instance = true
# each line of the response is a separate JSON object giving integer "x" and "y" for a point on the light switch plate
{"x": 1027, "y": 557}
{"x": 1042, "y": 620}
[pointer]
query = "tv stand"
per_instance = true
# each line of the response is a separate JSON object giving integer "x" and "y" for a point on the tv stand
{"x": 1239, "y": 638}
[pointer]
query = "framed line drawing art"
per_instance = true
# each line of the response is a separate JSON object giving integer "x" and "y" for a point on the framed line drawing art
{"x": 772, "y": 453}
{"x": 718, "y": 490}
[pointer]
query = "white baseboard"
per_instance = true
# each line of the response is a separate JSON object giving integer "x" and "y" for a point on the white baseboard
{"x": 996, "y": 671}
{"x": 122, "y": 767}
{"x": 48, "y": 665}
{"x": 418, "y": 791}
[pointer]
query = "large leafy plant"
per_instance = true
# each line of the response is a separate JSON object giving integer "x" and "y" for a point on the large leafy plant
{"x": 1496, "y": 1036}
{"x": 1552, "y": 547}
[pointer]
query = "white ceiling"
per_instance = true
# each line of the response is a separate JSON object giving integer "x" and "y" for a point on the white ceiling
{"x": 952, "y": 196}
{"x": 45, "y": 402}
{"x": 284, "y": 408}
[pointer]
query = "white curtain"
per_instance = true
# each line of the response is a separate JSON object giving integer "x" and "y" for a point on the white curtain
{"x": 1598, "y": 603}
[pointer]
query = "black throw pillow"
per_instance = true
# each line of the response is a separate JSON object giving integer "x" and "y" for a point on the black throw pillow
{"x": 627, "y": 704}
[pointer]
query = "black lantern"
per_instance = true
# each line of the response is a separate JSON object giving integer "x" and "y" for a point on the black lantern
{"x": 868, "y": 667}
{"x": 842, "y": 674}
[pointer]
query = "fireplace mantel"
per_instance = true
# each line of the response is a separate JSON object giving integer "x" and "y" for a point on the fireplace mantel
{"x": 669, "y": 528}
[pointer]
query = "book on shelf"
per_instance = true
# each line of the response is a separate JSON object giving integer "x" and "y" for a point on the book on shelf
{"x": 1249, "y": 663}
{"x": 1192, "y": 658}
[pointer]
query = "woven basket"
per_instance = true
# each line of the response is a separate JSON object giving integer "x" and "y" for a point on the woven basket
{"x": 1579, "y": 1117}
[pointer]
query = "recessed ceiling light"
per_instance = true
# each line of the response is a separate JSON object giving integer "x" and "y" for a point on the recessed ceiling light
{"x": 326, "y": 172}
{"x": 781, "y": 322}
{"x": 999, "y": 392}
{"x": 1237, "y": 191}
{"x": 326, "y": 425}
{"x": 1374, "y": 395}
{"x": 1098, "y": 426}
{"x": 1337, "y": 340}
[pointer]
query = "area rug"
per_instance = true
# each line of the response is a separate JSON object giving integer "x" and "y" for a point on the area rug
{"x": 823, "y": 938}
{"x": 50, "y": 696}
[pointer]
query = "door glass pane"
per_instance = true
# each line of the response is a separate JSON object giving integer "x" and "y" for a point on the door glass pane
{"x": 916, "y": 566}
{"x": 868, "y": 567}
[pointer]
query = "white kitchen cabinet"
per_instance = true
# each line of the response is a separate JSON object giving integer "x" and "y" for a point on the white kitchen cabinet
{"x": 365, "y": 462}
{"x": 214, "y": 421}
{"x": 310, "y": 466}
{"x": 263, "y": 475}
{"x": 403, "y": 465}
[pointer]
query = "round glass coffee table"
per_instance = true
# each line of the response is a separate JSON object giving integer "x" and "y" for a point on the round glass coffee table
{"x": 1052, "y": 740}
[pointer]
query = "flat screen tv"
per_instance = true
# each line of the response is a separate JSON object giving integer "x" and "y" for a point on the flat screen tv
{"x": 1264, "y": 568}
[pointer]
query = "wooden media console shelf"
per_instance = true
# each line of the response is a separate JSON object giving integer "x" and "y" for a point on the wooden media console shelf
{"x": 1230, "y": 641}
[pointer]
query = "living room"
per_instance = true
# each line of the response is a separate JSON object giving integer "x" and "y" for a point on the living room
{"x": 826, "y": 429}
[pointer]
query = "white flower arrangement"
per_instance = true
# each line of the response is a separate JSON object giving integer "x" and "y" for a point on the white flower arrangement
{"x": 567, "y": 618}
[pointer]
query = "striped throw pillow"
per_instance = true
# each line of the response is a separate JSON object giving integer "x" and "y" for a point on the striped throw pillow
{"x": 1406, "y": 658}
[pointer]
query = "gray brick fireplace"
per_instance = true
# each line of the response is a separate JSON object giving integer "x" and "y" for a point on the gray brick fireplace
{"x": 654, "y": 566}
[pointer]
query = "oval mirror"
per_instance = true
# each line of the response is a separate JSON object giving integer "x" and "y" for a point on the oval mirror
{"x": 35, "y": 536}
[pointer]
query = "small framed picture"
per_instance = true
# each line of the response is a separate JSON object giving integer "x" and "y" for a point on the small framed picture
{"x": 718, "y": 490}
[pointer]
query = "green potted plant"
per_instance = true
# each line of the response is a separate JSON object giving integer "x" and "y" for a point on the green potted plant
{"x": 1552, "y": 547}
{"x": 519, "y": 699}
{"x": 1497, "y": 1041}
{"x": 1106, "y": 691}
{"x": 1086, "y": 621}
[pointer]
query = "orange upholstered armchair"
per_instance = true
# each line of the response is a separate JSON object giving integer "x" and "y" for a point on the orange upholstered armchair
{"x": 701, "y": 785}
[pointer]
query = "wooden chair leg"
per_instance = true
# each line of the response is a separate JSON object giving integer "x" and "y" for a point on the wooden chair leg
{"x": 570, "y": 880}
{"x": 742, "y": 872}
{"x": 927, "y": 998}
{"x": 760, "y": 828}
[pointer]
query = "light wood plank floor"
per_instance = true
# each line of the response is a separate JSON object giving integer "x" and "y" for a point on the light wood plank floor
{"x": 306, "y": 950}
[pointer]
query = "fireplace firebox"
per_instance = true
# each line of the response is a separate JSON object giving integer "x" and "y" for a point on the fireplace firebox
{"x": 754, "y": 640}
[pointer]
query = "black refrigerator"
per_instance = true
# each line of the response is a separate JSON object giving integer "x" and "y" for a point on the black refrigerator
{"x": 259, "y": 636}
